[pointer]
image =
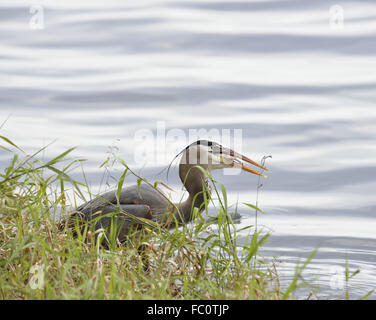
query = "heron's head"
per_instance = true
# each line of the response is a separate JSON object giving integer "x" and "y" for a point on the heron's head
{"x": 211, "y": 156}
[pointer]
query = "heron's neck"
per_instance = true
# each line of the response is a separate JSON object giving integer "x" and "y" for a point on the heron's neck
{"x": 195, "y": 182}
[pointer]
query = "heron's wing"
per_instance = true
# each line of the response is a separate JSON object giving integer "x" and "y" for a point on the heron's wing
{"x": 129, "y": 210}
{"x": 132, "y": 195}
{"x": 140, "y": 202}
{"x": 125, "y": 217}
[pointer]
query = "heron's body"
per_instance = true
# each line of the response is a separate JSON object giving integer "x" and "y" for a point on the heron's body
{"x": 144, "y": 201}
{"x": 140, "y": 201}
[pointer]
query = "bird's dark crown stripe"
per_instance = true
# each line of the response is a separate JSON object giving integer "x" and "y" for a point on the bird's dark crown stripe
{"x": 201, "y": 142}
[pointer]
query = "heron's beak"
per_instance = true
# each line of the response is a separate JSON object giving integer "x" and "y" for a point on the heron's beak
{"x": 237, "y": 162}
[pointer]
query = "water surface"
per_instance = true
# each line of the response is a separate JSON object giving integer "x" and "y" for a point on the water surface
{"x": 298, "y": 89}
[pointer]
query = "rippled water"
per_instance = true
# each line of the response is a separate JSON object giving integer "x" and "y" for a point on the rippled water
{"x": 300, "y": 89}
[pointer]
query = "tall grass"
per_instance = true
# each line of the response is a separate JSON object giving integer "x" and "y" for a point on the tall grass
{"x": 39, "y": 261}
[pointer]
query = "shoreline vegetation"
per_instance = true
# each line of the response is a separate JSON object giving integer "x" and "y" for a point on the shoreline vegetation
{"x": 39, "y": 261}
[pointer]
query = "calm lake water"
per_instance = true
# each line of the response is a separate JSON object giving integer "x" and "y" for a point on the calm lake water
{"x": 299, "y": 84}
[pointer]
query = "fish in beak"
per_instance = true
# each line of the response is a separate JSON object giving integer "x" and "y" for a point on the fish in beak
{"x": 236, "y": 160}
{"x": 219, "y": 157}
{"x": 238, "y": 164}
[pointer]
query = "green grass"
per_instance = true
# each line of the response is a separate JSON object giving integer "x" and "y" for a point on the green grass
{"x": 37, "y": 261}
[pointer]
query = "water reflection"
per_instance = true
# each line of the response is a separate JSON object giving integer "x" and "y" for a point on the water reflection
{"x": 298, "y": 90}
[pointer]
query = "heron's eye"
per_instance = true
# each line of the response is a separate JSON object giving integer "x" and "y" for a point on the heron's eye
{"x": 215, "y": 148}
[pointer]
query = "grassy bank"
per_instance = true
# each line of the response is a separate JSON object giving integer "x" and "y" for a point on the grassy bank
{"x": 37, "y": 261}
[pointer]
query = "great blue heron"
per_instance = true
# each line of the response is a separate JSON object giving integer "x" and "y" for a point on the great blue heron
{"x": 145, "y": 201}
